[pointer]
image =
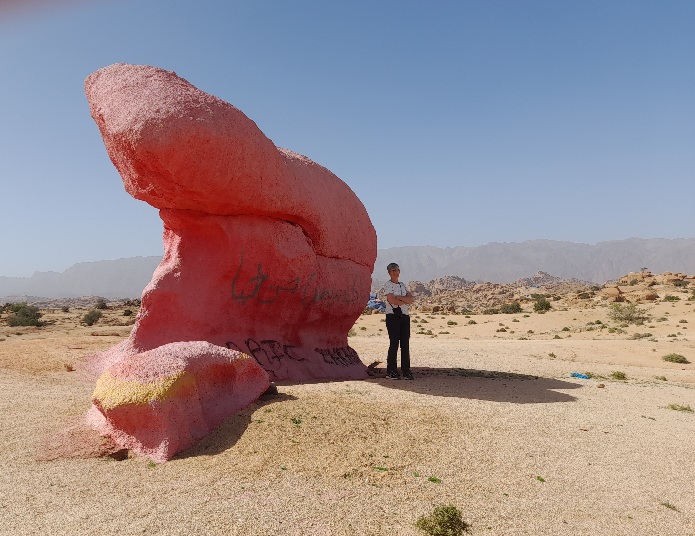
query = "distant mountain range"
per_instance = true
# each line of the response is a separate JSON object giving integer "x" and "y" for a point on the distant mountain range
{"x": 507, "y": 262}
{"x": 494, "y": 262}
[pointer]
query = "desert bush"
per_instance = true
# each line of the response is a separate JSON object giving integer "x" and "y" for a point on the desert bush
{"x": 451, "y": 323}
{"x": 629, "y": 313}
{"x": 127, "y": 312}
{"x": 101, "y": 304}
{"x": 92, "y": 317}
{"x": 680, "y": 283}
{"x": 651, "y": 296}
{"x": 618, "y": 375}
{"x": 637, "y": 336}
{"x": 541, "y": 305}
{"x": 22, "y": 314}
{"x": 671, "y": 297}
{"x": 445, "y": 520}
{"x": 510, "y": 308}
{"x": 680, "y": 407}
{"x": 676, "y": 358}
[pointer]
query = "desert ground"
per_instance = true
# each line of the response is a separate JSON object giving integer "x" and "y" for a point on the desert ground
{"x": 493, "y": 424}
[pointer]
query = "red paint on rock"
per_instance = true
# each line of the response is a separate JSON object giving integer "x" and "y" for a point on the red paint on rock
{"x": 218, "y": 383}
{"x": 266, "y": 252}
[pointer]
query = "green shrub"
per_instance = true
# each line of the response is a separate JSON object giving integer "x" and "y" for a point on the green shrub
{"x": 671, "y": 297}
{"x": 627, "y": 313}
{"x": 541, "y": 305}
{"x": 23, "y": 315}
{"x": 445, "y": 520}
{"x": 680, "y": 407}
{"x": 92, "y": 317}
{"x": 127, "y": 312}
{"x": 510, "y": 308}
{"x": 101, "y": 304}
{"x": 676, "y": 358}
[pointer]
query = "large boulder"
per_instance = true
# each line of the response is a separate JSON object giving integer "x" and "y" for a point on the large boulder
{"x": 160, "y": 402}
{"x": 265, "y": 252}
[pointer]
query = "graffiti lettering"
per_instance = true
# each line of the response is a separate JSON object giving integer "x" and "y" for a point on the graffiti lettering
{"x": 344, "y": 356}
{"x": 268, "y": 353}
{"x": 257, "y": 287}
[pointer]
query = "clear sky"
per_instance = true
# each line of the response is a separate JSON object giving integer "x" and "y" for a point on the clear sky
{"x": 457, "y": 123}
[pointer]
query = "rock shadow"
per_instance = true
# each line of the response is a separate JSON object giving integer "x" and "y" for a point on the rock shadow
{"x": 495, "y": 386}
{"x": 230, "y": 431}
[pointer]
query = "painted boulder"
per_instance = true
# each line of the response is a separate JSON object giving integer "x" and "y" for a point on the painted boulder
{"x": 160, "y": 402}
{"x": 265, "y": 252}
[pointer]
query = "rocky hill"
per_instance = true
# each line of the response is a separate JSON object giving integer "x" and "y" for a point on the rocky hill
{"x": 456, "y": 295}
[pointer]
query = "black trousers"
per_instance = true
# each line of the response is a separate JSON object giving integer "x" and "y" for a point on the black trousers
{"x": 398, "y": 328}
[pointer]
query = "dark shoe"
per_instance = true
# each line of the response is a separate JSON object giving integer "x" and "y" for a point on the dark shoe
{"x": 392, "y": 376}
{"x": 407, "y": 376}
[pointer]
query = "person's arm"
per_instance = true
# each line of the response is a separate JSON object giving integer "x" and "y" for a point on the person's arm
{"x": 407, "y": 299}
{"x": 395, "y": 301}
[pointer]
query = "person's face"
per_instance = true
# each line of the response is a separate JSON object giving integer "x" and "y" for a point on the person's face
{"x": 394, "y": 273}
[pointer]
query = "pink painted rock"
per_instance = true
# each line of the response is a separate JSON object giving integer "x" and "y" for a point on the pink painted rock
{"x": 265, "y": 253}
{"x": 160, "y": 402}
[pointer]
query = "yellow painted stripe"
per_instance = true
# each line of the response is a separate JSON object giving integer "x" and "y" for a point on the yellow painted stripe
{"x": 112, "y": 392}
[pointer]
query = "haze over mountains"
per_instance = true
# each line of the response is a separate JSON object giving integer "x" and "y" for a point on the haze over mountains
{"x": 494, "y": 262}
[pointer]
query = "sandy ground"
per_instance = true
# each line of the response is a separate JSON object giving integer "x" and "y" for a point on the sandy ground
{"x": 493, "y": 424}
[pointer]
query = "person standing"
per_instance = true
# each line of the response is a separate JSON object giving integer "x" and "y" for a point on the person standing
{"x": 397, "y": 324}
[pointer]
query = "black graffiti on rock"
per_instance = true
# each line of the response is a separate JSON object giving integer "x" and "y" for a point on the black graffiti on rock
{"x": 259, "y": 289}
{"x": 268, "y": 353}
{"x": 344, "y": 356}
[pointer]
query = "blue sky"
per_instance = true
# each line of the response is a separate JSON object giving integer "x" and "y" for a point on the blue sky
{"x": 457, "y": 123}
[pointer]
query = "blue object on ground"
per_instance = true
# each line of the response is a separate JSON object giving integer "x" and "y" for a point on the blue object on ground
{"x": 579, "y": 375}
{"x": 375, "y": 303}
